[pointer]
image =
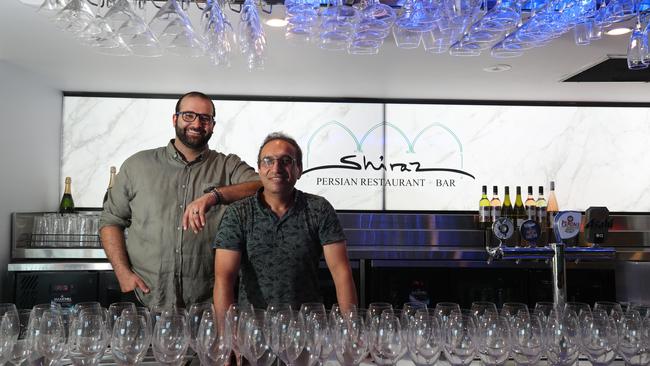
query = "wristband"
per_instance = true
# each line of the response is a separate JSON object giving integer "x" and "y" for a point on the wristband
{"x": 218, "y": 196}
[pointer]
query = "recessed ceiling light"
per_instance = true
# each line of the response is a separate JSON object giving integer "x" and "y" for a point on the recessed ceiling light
{"x": 275, "y": 22}
{"x": 618, "y": 31}
{"x": 497, "y": 68}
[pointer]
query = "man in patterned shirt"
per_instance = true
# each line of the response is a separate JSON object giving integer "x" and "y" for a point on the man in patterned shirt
{"x": 276, "y": 238}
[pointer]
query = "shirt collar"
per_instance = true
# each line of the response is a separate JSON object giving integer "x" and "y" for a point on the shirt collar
{"x": 173, "y": 152}
{"x": 297, "y": 199}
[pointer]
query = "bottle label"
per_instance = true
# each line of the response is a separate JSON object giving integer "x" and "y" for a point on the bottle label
{"x": 484, "y": 214}
{"x": 496, "y": 213}
{"x": 541, "y": 215}
{"x": 531, "y": 212}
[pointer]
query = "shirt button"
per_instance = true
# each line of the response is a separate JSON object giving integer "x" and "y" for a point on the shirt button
{"x": 178, "y": 250}
{"x": 178, "y": 228}
{"x": 183, "y": 186}
{"x": 181, "y": 206}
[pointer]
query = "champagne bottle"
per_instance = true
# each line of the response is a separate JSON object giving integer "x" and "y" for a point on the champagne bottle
{"x": 495, "y": 203}
{"x": 110, "y": 183}
{"x": 67, "y": 204}
{"x": 484, "y": 210}
{"x": 552, "y": 207}
{"x": 530, "y": 206}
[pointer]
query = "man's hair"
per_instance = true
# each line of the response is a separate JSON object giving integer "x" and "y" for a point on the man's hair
{"x": 194, "y": 94}
{"x": 284, "y": 137}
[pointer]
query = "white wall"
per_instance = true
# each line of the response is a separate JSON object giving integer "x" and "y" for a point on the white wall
{"x": 30, "y": 145}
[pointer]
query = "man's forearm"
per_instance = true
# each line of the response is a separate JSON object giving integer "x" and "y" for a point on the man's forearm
{"x": 236, "y": 192}
{"x": 112, "y": 238}
{"x": 223, "y": 295}
{"x": 346, "y": 292}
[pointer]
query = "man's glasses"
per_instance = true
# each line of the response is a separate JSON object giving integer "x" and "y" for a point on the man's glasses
{"x": 189, "y": 117}
{"x": 268, "y": 161}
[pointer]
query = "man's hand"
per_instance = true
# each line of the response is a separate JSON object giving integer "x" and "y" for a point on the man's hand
{"x": 129, "y": 281}
{"x": 194, "y": 215}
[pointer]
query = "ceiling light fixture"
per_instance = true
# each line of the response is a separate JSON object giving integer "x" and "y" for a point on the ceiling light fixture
{"x": 618, "y": 31}
{"x": 276, "y": 23}
{"x": 497, "y": 68}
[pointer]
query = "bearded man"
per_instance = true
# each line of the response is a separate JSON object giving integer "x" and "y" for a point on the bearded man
{"x": 172, "y": 199}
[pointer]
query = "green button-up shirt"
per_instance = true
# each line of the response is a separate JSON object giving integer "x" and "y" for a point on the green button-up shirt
{"x": 148, "y": 197}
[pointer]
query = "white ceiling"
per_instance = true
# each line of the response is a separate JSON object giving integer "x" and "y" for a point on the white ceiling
{"x": 30, "y": 41}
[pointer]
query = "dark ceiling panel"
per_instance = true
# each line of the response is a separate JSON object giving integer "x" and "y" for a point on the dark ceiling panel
{"x": 611, "y": 70}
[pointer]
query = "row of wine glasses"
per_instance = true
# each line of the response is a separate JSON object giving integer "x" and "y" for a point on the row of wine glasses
{"x": 506, "y": 28}
{"x": 120, "y": 28}
{"x": 311, "y": 334}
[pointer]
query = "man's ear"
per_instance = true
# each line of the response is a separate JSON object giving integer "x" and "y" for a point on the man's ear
{"x": 174, "y": 119}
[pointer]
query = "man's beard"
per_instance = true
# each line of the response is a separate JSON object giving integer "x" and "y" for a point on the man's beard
{"x": 194, "y": 143}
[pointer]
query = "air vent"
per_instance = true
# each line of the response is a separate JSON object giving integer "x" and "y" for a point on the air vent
{"x": 614, "y": 69}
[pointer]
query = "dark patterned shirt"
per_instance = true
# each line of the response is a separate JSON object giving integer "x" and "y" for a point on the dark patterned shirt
{"x": 279, "y": 256}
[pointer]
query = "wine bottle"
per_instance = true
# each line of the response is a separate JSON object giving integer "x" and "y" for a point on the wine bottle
{"x": 530, "y": 205}
{"x": 67, "y": 204}
{"x": 484, "y": 210}
{"x": 495, "y": 203}
{"x": 110, "y": 183}
{"x": 519, "y": 211}
{"x": 506, "y": 209}
{"x": 541, "y": 208}
{"x": 552, "y": 207}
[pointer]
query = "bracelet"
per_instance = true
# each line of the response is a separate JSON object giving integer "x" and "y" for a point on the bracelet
{"x": 218, "y": 196}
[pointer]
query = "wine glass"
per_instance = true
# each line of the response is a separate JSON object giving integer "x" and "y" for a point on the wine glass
{"x": 319, "y": 338}
{"x": 22, "y": 349}
{"x": 252, "y": 336}
{"x": 170, "y": 339}
{"x": 493, "y": 339}
{"x": 292, "y": 342}
{"x": 444, "y": 309}
{"x": 88, "y": 338}
{"x": 213, "y": 340}
{"x": 51, "y": 338}
{"x": 511, "y": 309}
{"x": 460, "y": 344}
{"x": 424, "y": 338}
{"x": 310, "y": 307}
{"x": 562, "y": 338}
{"x": 527, "y": 339}
{"x": 115, "y": 310}
{"x": 389, "y": 342}
{"x": 195, "y": 314}
{"x": 130, "y": 338}
{"x": 483, "y": 308}
{"x": 351, "y": 340}
{"x": 408, "y": 311}
{"x": 9, "y": 329}
{"x": 338, "y": 311}
{"x": 613, "y": 309}
{"x": 599, "y": 338}
{"x": 633, "y": 339}
{"x": 232, "y": 323}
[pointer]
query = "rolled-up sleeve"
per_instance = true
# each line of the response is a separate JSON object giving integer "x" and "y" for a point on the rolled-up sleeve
{"x": 117, "y": 209}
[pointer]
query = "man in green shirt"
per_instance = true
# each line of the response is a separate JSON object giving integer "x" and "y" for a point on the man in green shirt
{"x": 172, "y": 199}
{"x": 277, "y": 238}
